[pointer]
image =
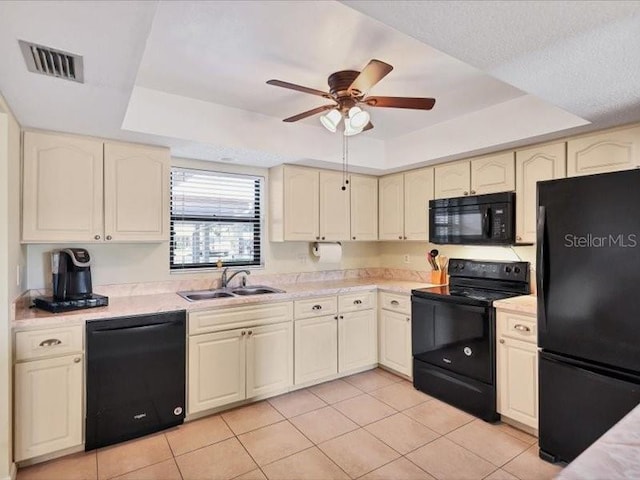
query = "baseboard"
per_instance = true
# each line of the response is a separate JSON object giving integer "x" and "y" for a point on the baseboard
{"x": 12, "y": 473}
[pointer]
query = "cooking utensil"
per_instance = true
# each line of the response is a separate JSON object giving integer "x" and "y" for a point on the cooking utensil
{"x": 432, "y": 261}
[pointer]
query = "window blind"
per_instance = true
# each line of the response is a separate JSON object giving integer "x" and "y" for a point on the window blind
{"x": 215, "y": 216}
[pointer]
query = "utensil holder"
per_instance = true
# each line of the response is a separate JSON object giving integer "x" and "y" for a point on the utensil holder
{"x": 438, "y": 277}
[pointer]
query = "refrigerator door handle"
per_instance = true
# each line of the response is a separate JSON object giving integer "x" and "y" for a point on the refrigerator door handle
{"x": 541, "y": 261}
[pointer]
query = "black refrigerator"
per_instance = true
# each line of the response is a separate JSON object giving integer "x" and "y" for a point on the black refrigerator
{"x": 588, "y": 276}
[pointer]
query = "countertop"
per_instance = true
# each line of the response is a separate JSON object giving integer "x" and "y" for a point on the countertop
{"x": 523, "y": 304}
{"x": 615, "y": 455}
{"x": 28, "y": 318}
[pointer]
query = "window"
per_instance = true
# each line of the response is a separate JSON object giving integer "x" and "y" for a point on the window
{"x": 214, "y": 216}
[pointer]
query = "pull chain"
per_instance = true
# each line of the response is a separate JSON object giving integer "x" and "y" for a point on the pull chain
{"x": 345, "y": 162}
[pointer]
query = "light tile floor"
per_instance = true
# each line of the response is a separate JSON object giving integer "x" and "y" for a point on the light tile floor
{"x": 372, "y": 426}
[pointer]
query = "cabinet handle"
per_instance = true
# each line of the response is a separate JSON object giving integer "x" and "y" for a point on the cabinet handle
{"x": 473, "y": 192}
{"x": 502, "y": 340}
{"x": 77, "y": 360}
{"x": 341, "y": 317}
{"x": 316, "y": 307}
{"x": 522, "y": 328}
{"x": 518, "y": 238}
{"x": 404, "y": 238}
{"x": 50, "y": 342}
{"x": 97, "y": 237}
{"x": 317, "y": 238}
{"x": 109, "y": 237}
{"x": 408, "y": 319}
{"x": 395, "y": 303}
{"x": 336, "y": 317}
{"x": 353, "y": 238}
{"x": 243, "y": 333}
{"x": 357, "y": 302}
{"x": 466, "y": 193}
{"x": 250, "y": 332}
{"x": 400, "y": 237}
{"x": 322, "y": 238}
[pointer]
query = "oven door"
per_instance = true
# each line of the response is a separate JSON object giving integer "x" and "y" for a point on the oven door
{"x": 455, "y": 337}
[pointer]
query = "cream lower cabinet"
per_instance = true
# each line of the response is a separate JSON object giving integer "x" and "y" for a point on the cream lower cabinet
{"x": 533, "y": 165}
{"x": 316, "y": 348}
{"x": 48, "y": 405}
{"x": 517, "y": 368}
{"x": 395, "y": 333}
{"x": 80, "y": 189}
{"x": 229, "y": 366}
{"x": 609, "y": 151}
{"x": 357, "y": 340}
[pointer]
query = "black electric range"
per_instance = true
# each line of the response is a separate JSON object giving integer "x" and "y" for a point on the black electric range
{"x": 453, "y": 333}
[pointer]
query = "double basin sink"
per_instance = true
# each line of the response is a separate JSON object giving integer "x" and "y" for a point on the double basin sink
{"x": 195, "y": 295}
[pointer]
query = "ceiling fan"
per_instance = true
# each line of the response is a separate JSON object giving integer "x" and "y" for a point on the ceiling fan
{"x": 347, "y": 89}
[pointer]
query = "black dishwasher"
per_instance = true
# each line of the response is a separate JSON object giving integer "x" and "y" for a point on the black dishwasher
{"x": 135, "y": 376}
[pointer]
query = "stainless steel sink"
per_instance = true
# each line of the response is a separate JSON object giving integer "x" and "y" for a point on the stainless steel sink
{"x": 195, "y": 295}
{"x": 255, "y": 290}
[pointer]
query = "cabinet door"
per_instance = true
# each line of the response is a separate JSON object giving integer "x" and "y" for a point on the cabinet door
{"x": 534, "y": 165}
{"x": 301, "y": 204}
{"x": 418, "y": 190}
{"x": 495, "y": 173}
{"x": 357, "y": 340}
{"x": 452, "y": 180}
{"x": 62, "y": 189}
{"x": 334, "y": 207}
{"x": 316, "y": 347}
{"x": 136, "y": 195}
{"x": 364, "y": 208}
{"x": 216, "y": 369}
{"x": 48, "y": 406}
{"x": 517, "y": 366}
{"x": 269, "y": 358}
{"x": 395, "y": 341}
{"x": 391, "y": 207}
{"x": 605, "y": 152}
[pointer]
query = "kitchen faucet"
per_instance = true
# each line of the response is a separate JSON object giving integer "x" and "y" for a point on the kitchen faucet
{"x": 225, "y": 280}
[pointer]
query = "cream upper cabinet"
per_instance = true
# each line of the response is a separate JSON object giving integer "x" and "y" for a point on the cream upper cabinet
{"x": 48, "y": 405}
{"x": 269, "y": 358}
{"x": 78, "y": 189}
{"x": 452, "y": 180}
{"x": 136, "y": 195}
{"x": 357, "y": 340}
{"x": 533, "y": 165}
{"x": 493, "y": 173}
{"x": 391, "y": 207}
{"x": 301, "y": 204}
{"x": 62, "y": 189}
{"x": 610, "y": 151}
{"x": 517, "y": 367}
{"x": 418, "y": 190}
{"x": 364, "y": 207}
{"x": 335, "y": 207}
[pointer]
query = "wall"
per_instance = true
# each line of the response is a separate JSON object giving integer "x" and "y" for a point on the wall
{"x": 12, "y": 257}
{"x": 133, "y": 263}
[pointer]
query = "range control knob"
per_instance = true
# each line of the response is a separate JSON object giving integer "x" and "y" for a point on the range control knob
{"x": 461, "y": 266}
{"x": 516, "y": 270}
{"x": 507, "y": 269}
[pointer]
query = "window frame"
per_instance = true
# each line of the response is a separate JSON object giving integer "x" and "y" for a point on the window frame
{"x": 257, "y": 221}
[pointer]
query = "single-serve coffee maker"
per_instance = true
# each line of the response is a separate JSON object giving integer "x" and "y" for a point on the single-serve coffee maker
{"x": 71, "y": 282}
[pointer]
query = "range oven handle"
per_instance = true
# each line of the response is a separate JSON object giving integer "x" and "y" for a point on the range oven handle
{"x": 541, "y": 261}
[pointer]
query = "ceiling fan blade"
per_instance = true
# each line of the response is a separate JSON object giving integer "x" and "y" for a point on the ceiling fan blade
{"x": 309, "y": 113}
{"x": 298, "y": 88}
{"x": 372, "y": 74}
{"x": 415, "y": 103}
{"x": 368, "y": 126}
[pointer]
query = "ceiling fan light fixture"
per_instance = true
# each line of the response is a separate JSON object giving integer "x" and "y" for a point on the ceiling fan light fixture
{"x": 358, "y": 118}
{"x": 331, "y": 120}
{"x": 349, "y": 129}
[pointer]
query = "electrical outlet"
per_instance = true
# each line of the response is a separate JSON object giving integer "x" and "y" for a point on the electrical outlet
{"x": 407, "y": 258}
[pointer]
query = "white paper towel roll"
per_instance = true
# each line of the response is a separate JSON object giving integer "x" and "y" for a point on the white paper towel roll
{"x": 328, "y": 252}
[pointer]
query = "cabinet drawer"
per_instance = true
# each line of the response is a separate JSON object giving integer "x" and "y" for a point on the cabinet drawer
{"x": 395, "y": 302}
{"x": 315, "y": 307}
{"x": 356, "y": 301}
{"x": 520, "y": 327}
{"x": 238, "y": 317}
{"x": 49, "y": 342}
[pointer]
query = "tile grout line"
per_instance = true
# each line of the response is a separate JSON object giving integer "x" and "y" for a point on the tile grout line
{"x": 244, "y": 448}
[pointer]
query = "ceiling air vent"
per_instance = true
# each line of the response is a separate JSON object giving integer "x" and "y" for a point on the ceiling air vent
{"x": 52, "y": 62}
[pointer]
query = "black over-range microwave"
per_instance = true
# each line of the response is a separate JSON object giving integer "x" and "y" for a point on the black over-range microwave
{"x": 475, "y": 220}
